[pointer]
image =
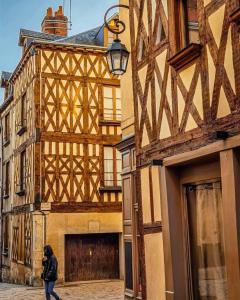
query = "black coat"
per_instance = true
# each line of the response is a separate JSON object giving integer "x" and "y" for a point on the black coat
{"x": 50, "y": 267}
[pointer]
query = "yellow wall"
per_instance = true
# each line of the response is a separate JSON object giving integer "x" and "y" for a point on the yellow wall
{"x": 126, "y": 79}
{"x": 59, "y": 224}
{"x": 154, "y": 261}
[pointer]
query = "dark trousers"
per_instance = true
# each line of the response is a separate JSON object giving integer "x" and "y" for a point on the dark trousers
{"x": 49, "y": 286}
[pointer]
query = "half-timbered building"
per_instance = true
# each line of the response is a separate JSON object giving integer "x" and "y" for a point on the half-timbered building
{"x": 61, "y": 180}
{"x": 182, "y": 213}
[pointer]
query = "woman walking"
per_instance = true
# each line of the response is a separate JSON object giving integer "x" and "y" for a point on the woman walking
{"x": 49, "y": 274}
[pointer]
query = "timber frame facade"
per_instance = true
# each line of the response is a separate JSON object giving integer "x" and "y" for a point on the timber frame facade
{"x": 60, "y": 169}
{"x": 185, "y": 75}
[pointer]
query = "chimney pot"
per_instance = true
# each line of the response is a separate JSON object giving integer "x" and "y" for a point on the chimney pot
{"x": 49, "y": 12}
{"x": 59, "y": 12}
{"x": 55, "y": 24}
{"x": 60, "y": 9}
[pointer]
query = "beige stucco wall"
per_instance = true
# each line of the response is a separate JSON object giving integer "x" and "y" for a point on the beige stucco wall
{"x": 59, "y": 224}
{"x": 154, "y": 261}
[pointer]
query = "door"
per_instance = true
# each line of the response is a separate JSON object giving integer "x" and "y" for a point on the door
{"x": 206, "y": 246}
{"x": 91, "y": 257}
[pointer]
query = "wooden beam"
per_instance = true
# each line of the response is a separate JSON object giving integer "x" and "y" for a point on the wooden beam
{"x": 230, "y": 173}
{"x": 175, "y": 271}
{"x": 84, "y": 207}
{"x": 189, "y": 156}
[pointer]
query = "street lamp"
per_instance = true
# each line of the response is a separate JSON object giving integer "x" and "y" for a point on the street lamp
{"x": 117, "y": 53}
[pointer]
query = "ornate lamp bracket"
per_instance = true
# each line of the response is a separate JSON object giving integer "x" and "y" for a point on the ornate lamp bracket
{"x": 119, "y": 24}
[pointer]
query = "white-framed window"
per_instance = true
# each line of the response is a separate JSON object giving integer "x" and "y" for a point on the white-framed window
{"x": 112, "y": 167}
{"x": 112, "y": 103}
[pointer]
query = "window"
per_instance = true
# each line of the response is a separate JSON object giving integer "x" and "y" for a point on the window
{"x": 6, "y": 179}
{"x": 112, "y": 104}
{"x": 23, "y": 111}
{"x": 23, "y": 171}
{"x": 21, "y": 240}
{"x": 187, "y": 22}
{"x": 5, "y": 235}
{"x": 112, "y": 167}
{"x": 7, "y": 128}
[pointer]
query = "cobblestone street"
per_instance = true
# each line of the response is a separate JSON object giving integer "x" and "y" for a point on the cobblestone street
{"x": 109, "y": 290}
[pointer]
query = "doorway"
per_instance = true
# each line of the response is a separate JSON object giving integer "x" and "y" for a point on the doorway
{"x": 203, "y": 202}
{"x": 91, "y": 257}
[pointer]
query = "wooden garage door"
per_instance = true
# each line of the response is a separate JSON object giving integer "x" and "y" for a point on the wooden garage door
{"x": 91, "y": 257}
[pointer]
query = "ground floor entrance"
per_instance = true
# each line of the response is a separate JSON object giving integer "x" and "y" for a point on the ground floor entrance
{"x": 91, "y": 256}
{"x": 206, "y": 242}
{"x": 200, "y": 202}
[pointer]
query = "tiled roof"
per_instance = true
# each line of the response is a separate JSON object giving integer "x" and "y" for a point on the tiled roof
{"x": 37, "y": 35}
{"x": 86, "y": 38}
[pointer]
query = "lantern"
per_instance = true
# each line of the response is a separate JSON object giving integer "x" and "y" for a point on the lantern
{"x": 117, "y": 58}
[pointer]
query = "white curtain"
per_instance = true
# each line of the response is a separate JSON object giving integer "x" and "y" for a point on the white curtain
{"x": 206, "y": 242}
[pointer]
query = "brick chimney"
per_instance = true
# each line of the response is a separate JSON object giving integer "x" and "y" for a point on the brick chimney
{"x": 57, "y": 24}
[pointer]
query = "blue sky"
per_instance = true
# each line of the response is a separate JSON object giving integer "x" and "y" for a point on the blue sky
{"x": 28, "y": 14}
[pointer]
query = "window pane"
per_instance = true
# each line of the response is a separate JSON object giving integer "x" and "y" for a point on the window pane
{"x": 108, "y": 165}
{"x": 108, "y": 92}
{"x": 118, "y": 93}
{"x": 108, "y": 153}
{"x": 108, "y": 103}
{"x": 118, "y": 104}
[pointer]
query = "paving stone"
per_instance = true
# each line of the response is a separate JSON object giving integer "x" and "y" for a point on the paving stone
{"x": 110, "y": 290}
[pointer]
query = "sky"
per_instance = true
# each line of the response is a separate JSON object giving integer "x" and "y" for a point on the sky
{"x": 28, "y": 14}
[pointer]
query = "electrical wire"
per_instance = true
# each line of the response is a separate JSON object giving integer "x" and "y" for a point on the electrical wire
{"x": 63, "y": 6}
{"x": 70, "y": 14}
